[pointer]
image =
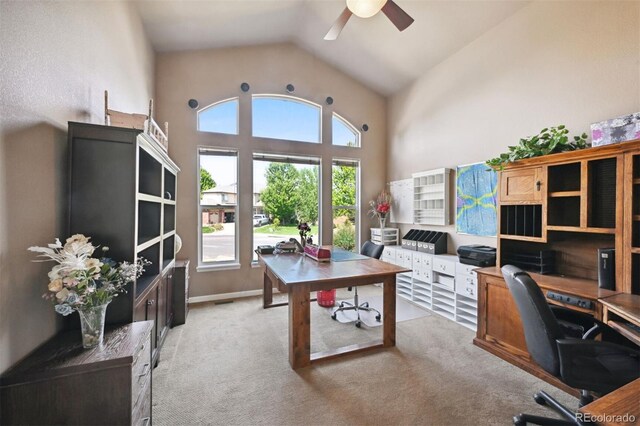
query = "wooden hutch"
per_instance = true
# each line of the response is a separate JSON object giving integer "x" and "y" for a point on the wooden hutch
{"x": 560, "y": 209}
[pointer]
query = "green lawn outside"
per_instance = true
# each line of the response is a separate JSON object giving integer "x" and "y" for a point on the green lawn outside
{"x": 291, "y": 230}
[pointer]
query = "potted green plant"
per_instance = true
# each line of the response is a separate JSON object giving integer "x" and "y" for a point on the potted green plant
{"x": 549, "y": 141}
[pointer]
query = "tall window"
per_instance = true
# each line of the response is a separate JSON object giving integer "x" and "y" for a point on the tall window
{"x": 344, "y": 134}
{"x": 285, "y": 117}
{"x": 345, "y": 184}
{"x": 285, "y": 192}
{"x": 221, "y": 117}
{"x": 218, "y": 171}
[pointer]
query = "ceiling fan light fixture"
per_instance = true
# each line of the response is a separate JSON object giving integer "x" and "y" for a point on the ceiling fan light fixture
{"x": 365, "y": 8}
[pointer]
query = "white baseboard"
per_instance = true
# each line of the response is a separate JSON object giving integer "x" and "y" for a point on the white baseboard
{"x": 225, "y": 296}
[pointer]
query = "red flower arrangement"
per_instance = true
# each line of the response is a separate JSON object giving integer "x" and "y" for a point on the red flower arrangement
{"x": 381, "y": 205}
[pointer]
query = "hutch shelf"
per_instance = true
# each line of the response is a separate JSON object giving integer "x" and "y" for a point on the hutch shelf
{"x": 123, "y": 195}
{"x": 554, "y": 213}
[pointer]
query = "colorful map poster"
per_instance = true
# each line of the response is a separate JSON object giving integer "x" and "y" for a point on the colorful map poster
{"x": 476, "y": 187}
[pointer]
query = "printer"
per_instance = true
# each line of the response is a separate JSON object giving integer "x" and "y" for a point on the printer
{"x": 477, "y": 255}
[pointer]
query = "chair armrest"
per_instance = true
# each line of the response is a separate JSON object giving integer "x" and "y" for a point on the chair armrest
{"x": 597, "y": 366}
{"x": 567, "y": 318}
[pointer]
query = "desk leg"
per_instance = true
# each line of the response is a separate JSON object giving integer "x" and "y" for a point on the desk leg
{"x": 389, "y": 312}
{"x": 267, "y": 291}
{"x": 299, "y": 326}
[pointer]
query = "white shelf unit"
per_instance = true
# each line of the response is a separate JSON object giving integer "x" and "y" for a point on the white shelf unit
{"x": 385, "y": 236}
{"x": 438, "y": 283}
{"x": 431, "y": 197}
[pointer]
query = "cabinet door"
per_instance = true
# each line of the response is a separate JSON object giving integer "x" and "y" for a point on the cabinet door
{"x": 503, "y": 324}
{"x": 161, "y": 308}
{"x": 521, "y": 185}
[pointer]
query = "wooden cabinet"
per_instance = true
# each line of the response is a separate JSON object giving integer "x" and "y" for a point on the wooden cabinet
{"x": 521, "y": 186}
{"x": 554, "y": 213}
{"x": 500, "y": 329}
{"x": 123, "y": 188}
{"x": 62, "y": 383}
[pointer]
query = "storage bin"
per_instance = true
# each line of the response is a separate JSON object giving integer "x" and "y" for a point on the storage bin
{"x": 326, "y": 298}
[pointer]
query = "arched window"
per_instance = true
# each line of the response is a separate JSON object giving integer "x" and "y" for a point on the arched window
{"x": 220, "y": 117}
{"x": 287, "y": 118}
{"x": 344, "y": 134}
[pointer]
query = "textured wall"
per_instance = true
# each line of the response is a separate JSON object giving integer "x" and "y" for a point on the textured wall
{"x": 213, "y": 75}
{"x": 57, "y": 59}
{"x": 551, "y": 63}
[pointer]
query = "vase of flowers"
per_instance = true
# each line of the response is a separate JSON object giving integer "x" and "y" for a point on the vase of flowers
{"x": 380, "y": 207}
{"x": 80, "y": 282}
{"x": 304, "y": 229}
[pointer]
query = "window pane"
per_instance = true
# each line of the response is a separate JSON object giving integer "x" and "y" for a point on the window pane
{"x": 344, "y": 134}
{"x": 284, "y": 194}
{"x": 218, "y": 202}
{"x": 344, "y": 182}
{"x": 221, "y": 117}
{"x": 286, "y": 118}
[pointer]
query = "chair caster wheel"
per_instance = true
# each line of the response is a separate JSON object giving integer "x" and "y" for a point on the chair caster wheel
{"x": 539, "y": 399}
{"x": 358, "y": 324}
{"x": 365, "y": 304}
{"x": 519, "y": 421}
{"x": 333, "y": 316}
{"x": 378, "y": 318}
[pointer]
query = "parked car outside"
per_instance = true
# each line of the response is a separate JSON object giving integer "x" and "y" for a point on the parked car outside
{"x": 260, "y": 220}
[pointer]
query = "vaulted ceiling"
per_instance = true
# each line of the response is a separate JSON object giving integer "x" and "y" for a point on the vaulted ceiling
{"x": 371, "y": 50}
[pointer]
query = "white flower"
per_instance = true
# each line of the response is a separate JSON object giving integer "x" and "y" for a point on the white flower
{"x": 77, "y": 238}
{"x": 62, "y": 294}
{"x": 92, "y": 263}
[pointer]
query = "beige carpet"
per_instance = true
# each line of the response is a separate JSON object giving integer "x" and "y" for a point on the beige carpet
{"x": 228, "y": 366}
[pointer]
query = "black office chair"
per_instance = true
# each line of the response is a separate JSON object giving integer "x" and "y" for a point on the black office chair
{"x": 372, "y": 250}
{"x": 596, "y": 366}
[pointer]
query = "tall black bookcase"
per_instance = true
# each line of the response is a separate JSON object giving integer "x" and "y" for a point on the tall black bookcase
{"x": 123, "y": 195}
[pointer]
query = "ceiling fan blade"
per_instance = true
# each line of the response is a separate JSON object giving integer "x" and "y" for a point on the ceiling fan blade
{"x": 396, "y": 15}
{"x": 337, "y": 26}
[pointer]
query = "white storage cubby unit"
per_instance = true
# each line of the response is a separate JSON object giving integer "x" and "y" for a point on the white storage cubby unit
{"x": 438, "y": 282}
{"x": 431, "y": 197}
{"x": 385, "y": 236}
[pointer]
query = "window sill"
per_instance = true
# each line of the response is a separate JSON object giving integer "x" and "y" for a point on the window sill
{"x": 222, "y": 267}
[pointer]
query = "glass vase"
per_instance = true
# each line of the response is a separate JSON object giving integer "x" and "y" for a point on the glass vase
{"x": 383, "y": 220}
{"x": 92, "y": 325}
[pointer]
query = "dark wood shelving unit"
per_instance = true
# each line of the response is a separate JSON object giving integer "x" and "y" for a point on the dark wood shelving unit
{"x": 123, "y": 195}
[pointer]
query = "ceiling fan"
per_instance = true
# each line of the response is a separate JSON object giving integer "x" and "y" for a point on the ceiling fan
{"x": 366, "y": 9}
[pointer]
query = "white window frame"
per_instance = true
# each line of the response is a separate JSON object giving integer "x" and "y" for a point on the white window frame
{"x": 350, "y": 126}
{"x": 280, "y": 158}
{"x": 220, "y": 264}
{"x": 294, "y": 99}
{"x": 356, "y": 207}
{"x": 213, "y": 105}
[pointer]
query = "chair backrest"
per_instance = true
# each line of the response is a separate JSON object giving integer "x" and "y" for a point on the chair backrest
{"x": 372, "y": 249}
{"x": 541, "y": 329}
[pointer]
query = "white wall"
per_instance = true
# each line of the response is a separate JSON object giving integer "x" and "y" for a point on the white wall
{"x": 551, "y": 63}
{"x": 56, "y": 60}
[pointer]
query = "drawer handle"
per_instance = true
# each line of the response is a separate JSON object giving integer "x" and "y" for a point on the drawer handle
{"x": 151, "y": 302}
{"x": 145, "y": 370}
{"x": 145, "y": 421}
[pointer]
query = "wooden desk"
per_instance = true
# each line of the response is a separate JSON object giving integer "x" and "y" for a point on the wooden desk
{"x": 621, "y": 310}
{"x": 298, "y": 275}
{"x": 620, "y": 407}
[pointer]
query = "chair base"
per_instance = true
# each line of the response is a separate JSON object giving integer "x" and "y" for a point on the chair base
{"x": 543, "y": 398}
{"x": 348, "y": 306}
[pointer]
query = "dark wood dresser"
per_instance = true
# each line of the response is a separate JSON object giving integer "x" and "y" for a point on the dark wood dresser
{"x": 62, "y": 383}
